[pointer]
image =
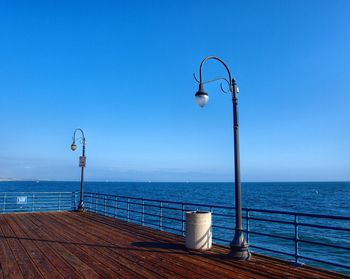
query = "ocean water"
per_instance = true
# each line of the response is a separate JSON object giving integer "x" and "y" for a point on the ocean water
{"x": 329, "y": 198}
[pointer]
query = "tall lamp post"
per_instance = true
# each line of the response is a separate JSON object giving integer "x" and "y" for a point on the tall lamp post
{"x": 82, "y": 162}
{"x": 239, "y": 246}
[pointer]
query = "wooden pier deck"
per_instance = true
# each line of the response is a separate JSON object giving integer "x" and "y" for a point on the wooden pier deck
{"x": 87, "y": 245}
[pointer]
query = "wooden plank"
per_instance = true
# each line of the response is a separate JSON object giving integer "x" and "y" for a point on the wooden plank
{"x": 66, "y": 263}
{"x": 23, "y": 260}
{"x": 84, "y": 248}
{"x": 135, "y": 263}
{"x": 181, "y": 256}
{"x": 273, "y": 267}
{"x": 39, "y": 259}
{"x": 155, "y": 259}
{"x": 192, "y": 259}
{"x": 9, "y": 266}
{"x": 89, "y": 245}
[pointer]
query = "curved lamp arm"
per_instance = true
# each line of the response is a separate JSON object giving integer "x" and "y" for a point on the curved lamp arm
{"x": 201, "y": 95}
{"x": 82, "y": 133}
{"x": 74, "y": 146}
{"x": 230, "y": 80}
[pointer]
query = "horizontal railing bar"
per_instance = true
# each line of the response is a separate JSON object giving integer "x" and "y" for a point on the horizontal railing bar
{"x": 232, "y": 208}
{"x": 39, "y": 203}
{"x": 272, "y": 250}
{"x": 144, "y": 213}
{"x": 36, "y": 193}
{"x": 122, "y": 209}
{"x": 224, "y": 215}
{"x": 324, "y": 244}
{"x": 271, "y": 235}
{"x": 36, "y": 207}
{"x": 170, "y": 208}
{"x": 139, "y": 212}
{"x": 135, "y": 211}
{"x": 221, "y": 227}
{"x": 172, "y": 218}
{"x": 125, "y": 218}
{"x": 300, "y": 214}
{"x": 155, "y": 200}
{"x": 324, "y": 227}
{"x": 169, "y": 228}
{"x": 324, "y": 262}
{"x": 220, "y": 239}
{"x": 272, "y": 221}
{"x": 149, "y": 223}
{"x": 134, "y": 203}
{"x": 105, "y": 205}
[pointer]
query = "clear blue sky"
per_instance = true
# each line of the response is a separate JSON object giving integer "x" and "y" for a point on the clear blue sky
{"x": 122, "y": 71}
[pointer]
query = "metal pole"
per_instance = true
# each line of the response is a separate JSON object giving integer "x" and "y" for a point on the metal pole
{"x": 239, "y": 246}
{"x": 81, "y": 202}
{"x": 183, "y": 218}
{"x": 115, "y": 207}
{"x": 247, "y": 215}
{"x": 296, "y": 240}
{"x": 161, "y": 216}
{"x": 143, "y": 213}
{"x": 128, "y": 208}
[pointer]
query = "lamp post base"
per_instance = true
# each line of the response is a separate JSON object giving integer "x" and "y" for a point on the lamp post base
{"x": 81, "y": 207}
{"x": 239, "y": 247}
{"x": 240, "y": 253}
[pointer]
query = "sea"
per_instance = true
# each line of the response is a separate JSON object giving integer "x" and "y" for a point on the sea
{"x": 326, "y": 198}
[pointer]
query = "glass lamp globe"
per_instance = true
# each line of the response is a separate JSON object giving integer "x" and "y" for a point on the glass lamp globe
{"x": 73, "y": 147}
{"x": 202, "y": 98}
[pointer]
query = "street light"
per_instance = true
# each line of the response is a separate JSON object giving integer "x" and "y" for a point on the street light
{"x": 238, "y": 245}
{"x": 82, "y": 162}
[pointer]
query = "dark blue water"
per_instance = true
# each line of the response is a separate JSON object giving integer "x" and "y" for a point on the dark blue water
{"x": 330, "y": 198}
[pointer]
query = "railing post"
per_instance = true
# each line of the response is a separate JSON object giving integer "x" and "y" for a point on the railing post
{"x": 95, "y": 203}
{"x": 72, "y": 201}
{"x": 296, "y": 239}
{"x": 161, "y": 216}
{"x": 183, "y": 218}
{"x": 247, "y": 224}
{"x": 4, "y": 205}
{"x": 59, "y": 202}
{"x": 33, "y": 197}
{"x": 116, "y": 207}
{"x": 128, "y": 209}
{"x": 143, "y": 213}
{"x": 104, "y": 205}
{"x": 75, "y": 200}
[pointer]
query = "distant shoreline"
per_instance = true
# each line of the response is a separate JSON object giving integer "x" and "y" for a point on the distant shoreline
{"x": 9, "y": 179}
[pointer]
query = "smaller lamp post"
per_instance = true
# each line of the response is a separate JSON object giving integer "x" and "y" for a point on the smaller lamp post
{"x": 82, "y": 162}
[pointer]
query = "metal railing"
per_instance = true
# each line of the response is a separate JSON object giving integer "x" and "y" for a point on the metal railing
{"x": 303, "y": 238}
{"x": 11, "y": 202}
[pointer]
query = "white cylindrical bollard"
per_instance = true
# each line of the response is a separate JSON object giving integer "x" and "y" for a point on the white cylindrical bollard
{"x": 198, "y": 230}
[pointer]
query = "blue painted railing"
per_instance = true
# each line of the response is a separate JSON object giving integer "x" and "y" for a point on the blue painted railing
{"x": 314, "y": 239}
{"x": 11, "y": 202}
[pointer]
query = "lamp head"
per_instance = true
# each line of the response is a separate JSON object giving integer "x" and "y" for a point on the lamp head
{"x": 201, "y": 96}
{"x": 73, "y": 146}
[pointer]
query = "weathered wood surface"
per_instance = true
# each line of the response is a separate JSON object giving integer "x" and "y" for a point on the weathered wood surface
{"x": 88, "y": 245}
